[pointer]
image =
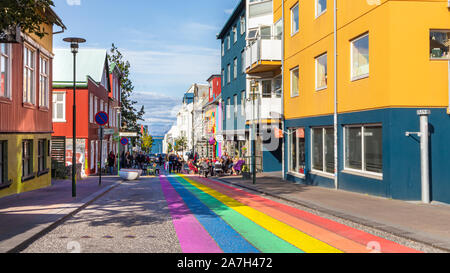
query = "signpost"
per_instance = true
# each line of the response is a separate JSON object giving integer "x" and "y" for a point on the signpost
{"x": 101, "y": 118}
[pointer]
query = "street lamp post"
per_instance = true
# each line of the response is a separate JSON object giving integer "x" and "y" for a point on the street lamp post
{"x": 254, "y": 95}
{"x": 74, "y": 42}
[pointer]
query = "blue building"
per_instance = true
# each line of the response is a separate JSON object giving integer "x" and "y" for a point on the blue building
{"x": 234, "y": 81}
{"x": 157, "y": 147}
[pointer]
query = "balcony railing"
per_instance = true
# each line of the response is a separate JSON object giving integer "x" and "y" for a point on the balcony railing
{"x": 262, "y": 54}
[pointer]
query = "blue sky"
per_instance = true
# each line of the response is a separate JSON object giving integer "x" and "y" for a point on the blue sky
{"x": 170, "y": 44}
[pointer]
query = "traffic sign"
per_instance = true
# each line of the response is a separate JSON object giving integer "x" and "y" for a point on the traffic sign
{"x": 109, "y": 131}
{"x": 101, "y": 118}
{"x": 124, "y": 141}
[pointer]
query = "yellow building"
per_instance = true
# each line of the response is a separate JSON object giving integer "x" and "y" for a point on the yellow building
{"x": 25, "y": 110}
{"x": 392, "y": 59}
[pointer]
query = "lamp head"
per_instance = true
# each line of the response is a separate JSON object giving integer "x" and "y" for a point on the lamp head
{"x": 74, "y": 43}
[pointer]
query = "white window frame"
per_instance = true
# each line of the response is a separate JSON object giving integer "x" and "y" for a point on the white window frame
{"x": 363, "y": 171}
{"x": 223, "y": 48}
{"x": 317, "y": 8}
{"x": 228, "y": 73}
{"x": 234, "y": 34}
{"x": 242, "y": 24}
{"x": 7, "y": 81}
{"x": 243, "y": 62}
{"x": 293, "y": 32}
{"x": 44, "y": 99}
{"x": 91, "y": 108}
{"x": 242, "y": 103}
{"x": 235, "y": 68}
{"x": 318, "y": 88}
{"x": 228, "y": 108}
{"x": 54, "y": 118}
{"x": 228, "y": 41}
{"x": 235, "y": 102}
{"x": 292, "y": 170}
{"x": 324, "y": 161}
{"x": 352, "y": 42}
{"x": 298, "y": 81}
{"x": 444, "y": 58}
{"x": 29, "y": 94}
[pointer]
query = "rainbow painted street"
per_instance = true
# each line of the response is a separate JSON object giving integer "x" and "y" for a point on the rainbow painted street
{"x": 213, "y": 217}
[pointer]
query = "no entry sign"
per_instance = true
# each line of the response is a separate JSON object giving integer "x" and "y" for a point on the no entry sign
{"x": 101, "y": 118}
{"x": 124, "y": 141}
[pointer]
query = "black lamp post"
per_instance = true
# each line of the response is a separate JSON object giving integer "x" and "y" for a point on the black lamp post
{"x": 74, "y": 42}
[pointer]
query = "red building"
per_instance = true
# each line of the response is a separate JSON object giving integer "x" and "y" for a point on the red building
{"x": 215, "y": 87}
{"x": 98, "y": 89}
{"x": 26, "y": 67}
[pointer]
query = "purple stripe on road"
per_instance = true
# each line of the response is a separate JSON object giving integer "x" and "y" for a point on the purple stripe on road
{"x": 192, "y": 235}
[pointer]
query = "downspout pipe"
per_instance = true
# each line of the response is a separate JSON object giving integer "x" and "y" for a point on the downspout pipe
{"x": 336, "y": 166}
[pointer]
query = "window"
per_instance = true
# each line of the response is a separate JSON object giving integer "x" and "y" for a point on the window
{"x": 242, "y": 26}
{"x": 234, "y": 34}
{"x": 223, "y": 49}
{"x": 95, "y": 106}
{"x": 277, "y": 82}
{"x": 27, "y": 158}
{"x": 294, "y": 82}
{"x": 243, "y": 61}
{"x": 235, "y": 68}
{"x": 228, "y": 42}
{"x": 364, "y": 148}
{"x": 321, "y": 7}
{"x": 43, "y": 82}
{"x": 297, "y": 150}
{"x": 42, "y": 155}
{"x": 235, "y": 98}
{"x": 266, "y": 32}
{"x": 266, "y": 88}
{"x": 104, "y": 82}
{"x": 323, "y": 149}
{"x": 360, "y": 57}
{"x": 228, "y": 74}
{"x": 28, "y": 75}
{"x": 59, "y": 107}
{"x": 243, "y": 103}
{"x": 440, "y": 44}
{"x": 321, "y": 72}
{"x": 91, "y": 108}
{"x": 294, "y": 20}
{"x": 228, "y": 108}
{"x": 223, "y": 77}
{"x": 278, "y": 29}
{"x": 3, "y": 162}
{"x": 5, "y": 70}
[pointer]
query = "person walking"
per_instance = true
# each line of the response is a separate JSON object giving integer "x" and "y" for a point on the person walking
{"x": 111, "y": 162}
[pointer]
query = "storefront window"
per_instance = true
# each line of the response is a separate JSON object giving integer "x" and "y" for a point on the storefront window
{"x": 323, "y": 149}
{"x": 364, "y": 148}
{"x": 297, "y": 150}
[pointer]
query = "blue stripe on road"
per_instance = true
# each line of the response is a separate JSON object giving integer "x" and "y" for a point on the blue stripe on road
{"x": 225, "y": 236}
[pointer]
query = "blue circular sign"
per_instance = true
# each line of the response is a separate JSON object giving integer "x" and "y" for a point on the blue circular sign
{"x": 101, "y": 118}
{"x": 124, "y": 141}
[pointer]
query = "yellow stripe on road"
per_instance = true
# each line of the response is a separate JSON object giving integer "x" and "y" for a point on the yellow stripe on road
{"x": 280, "y": 229}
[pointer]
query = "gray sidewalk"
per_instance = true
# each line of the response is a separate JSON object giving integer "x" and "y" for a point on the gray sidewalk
{"x": 427, "y": 224}
{"x": 25, "y": 216}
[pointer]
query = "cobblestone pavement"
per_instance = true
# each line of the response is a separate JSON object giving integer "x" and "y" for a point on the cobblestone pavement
{"x": 132, "y": 218}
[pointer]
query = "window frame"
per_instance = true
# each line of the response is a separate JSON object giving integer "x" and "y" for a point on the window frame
{"x": 229, "y": 73}
{"x": 228, "y": 108}
{"x": 316, "y": 60}
{"x": 363, "y": 171}
{"x": 298, "y": 81}
{"x": 297, "y": 6}
{"x": 434, "y": 58}
{"x": 7, "y": 81}
{"x": 317, "y": 9}
{"x": 243, "y": 103}
{"x": 54, "y": 101}
{"x": 242, "y": 24}
{"x": 42, "y": 156}
{"x": 235, "y": 68}
{"x": 324, "y": 164}
{"x": 363, "y": 76}
{"x": 291, "y": 168}
{"x": 32, "y": 68}
{"x": 27, "y": 157}
{"x": 4, "y": 163}
{"x": 234, "y": 30}
{"x": 46, "y": 92}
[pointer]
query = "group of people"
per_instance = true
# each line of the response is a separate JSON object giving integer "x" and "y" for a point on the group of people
{"x": 174, "y": 163}
{"x": 217, "y": 166}
{"x": 136, "y": 160}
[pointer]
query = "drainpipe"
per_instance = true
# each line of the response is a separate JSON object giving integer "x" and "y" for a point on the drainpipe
{"x": 336, "y": 166}
{"x": 448, "y": 108}
{"x": 424, "y": 154}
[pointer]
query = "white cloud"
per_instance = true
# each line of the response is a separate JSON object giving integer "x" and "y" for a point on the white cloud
{"x": 73, "y": 2}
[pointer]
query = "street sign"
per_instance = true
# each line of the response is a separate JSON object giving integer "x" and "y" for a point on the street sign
{"x": 125, "y": 134}
{"x": 109, "y": 131}
{"x": 124, "y": 141}
{"x": 101, "y": 118}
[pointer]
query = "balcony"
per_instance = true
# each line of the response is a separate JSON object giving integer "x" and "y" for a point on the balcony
{"x": 263, "y": 55}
